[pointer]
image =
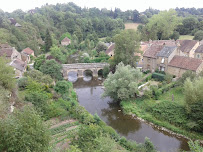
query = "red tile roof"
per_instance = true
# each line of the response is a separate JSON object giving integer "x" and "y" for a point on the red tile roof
{"x": 186, "y": 45}
{"x": 66, "y": 40}
{"x": 186, "y": 63}
{"x": 27, "y": 51}
{"x": 153, "y": 50}
{"x": 199, "y": 49}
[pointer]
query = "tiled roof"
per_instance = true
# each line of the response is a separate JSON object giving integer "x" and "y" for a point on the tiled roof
{"x": 164, "y": 42}
{"x": 186, "y": 45}
{"x": 153, "y": 50}
{"x": 166, "y": 51}
{"x": 5, "y": 46}
{"x": 199, "y": 49}
{"x": 6, "y": 51}
{"x": 18, "y": 64}
{"x": 186, "y": 63}
{"x": 27, "y": 51}
{"x": 66, "y": 40}
{"x": 110, "y": 48}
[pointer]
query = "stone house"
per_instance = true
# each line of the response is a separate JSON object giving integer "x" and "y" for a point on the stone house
{"x": 180, "y": 64}
{"x": 110, "y": 50}
{"x": 199, "y": 52}
{"x": 26, "y": 53}
{"x": 19, "y": 67}
{"x": 10, "y": 53}
{"x": 150, "y": 57}
{"x": 66, "y": 41}
{"x": 188, "y": 47}
{"x": 165, "y": 56}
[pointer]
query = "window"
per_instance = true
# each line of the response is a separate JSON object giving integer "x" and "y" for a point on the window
{"x": 148, "y": 59}
{"x": 197, "y": 55}
{"x": 162, "y": 60}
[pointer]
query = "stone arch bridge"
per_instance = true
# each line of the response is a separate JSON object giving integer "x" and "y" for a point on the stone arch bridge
{"x": 81, "y": 67}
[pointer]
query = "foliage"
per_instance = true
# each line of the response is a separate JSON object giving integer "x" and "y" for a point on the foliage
{"x": 68, "y": 35}
{"x": 62, "y": 87}
{"x": 48, "y": 41}
{"x": 193, "y": 100}
{"x": 123, "y": 83}
{"x": 158, "y": 76}
{"x": 126, "y": 45}
{"x": 39, "y": 77}
{"x": 6, "y": 75}
{"x": 39, "y": 61}
{"x": 195, "y": 146}
{"x": 168, "y": 78}
{"x": 23, "y": 131}
{"x": 101, "y": 47}
{"x": 158, "y": 27}
{"x": 149, "y": 146}
{"x": 105, "y": 71}
{"x": 57, "y": 53}
{"x": 52, "y": 68}
{"x": 198, "y": 35}
{"x": 22, "y": 83}
{"x": 4, "y": 101}
{"x": 188, "y": 74}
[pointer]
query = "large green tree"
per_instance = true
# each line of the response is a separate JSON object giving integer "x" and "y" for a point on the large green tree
{"x": 126, "y": 45}
{"x": 24, "y": 131}
{"x": 52, "y": 68}
{"x": 123, "y": 84}
{"x": 162, "y": 25}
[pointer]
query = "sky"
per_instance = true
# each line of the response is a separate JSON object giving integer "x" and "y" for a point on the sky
{"x": 140, "y": 5}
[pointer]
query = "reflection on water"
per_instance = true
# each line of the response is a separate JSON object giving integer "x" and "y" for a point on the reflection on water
{"x": 89, "y": 96}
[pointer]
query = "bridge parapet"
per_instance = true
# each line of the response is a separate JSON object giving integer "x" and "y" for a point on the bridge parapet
{"x": 81, "y": 67}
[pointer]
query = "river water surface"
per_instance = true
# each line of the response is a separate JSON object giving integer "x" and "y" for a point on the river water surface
{"x": 89, "y": 95}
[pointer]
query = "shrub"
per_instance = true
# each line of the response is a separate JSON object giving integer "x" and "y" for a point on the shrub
{"x": 168, "y": 78}
{"x": 22, "y": 83}
{"x": 158, "y": 76}
{"x": 62, "y": 87}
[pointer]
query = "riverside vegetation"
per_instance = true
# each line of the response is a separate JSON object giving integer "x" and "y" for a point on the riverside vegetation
{"x": 47, "y": 117}
{"x": 173, "y": 105}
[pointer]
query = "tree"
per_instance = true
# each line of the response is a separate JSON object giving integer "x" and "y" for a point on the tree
{"x": 56, "y": 52}
{"x": 39, "y": 61}
{"x": 101, "y": 47}
{"x": 62, "y": 87}
{"x": 123, "y": 84}
{"x": 48, "y": 41}
{"x": 194, "y": 102}
{"x": 126, "y": 45}
{"x": 198, "y": 35}
{"x": 6, "y": 75}
{"x": 52, "y": 68}
{"x": 158, "y": 26}
{"x": 23, "y": 131}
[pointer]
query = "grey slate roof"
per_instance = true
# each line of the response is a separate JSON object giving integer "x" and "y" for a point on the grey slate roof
{"x": 166, "y": 51}
{"x": 18, "y": 64}
{"x": 199, "y": 49}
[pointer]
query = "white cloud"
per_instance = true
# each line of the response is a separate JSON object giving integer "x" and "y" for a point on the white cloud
{"x": 141, "y": 5}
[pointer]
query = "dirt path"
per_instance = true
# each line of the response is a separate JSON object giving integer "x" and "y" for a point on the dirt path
{"x": 62, "y": 123}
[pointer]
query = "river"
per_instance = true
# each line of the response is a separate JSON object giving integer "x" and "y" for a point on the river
{"x": 89, "y": 95}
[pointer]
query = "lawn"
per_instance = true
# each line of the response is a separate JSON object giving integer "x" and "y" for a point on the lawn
{"x": 132, "y": 26}
{"x": 186, "y": 37}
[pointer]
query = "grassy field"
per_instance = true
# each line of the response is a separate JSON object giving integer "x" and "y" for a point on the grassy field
{"x": 186, "y": 37}
{"x": 131, "y": 26}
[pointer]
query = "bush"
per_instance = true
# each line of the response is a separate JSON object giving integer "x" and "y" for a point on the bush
{"x": 106, "y": 71}
{"x": 158, "y": 76}
{"x": 168, "y": 78}
{"x": 62, "y": 87}
{"x": 22, "y": 83}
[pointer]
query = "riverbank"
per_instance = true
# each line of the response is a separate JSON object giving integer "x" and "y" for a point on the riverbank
{"x": 143, "y": 110}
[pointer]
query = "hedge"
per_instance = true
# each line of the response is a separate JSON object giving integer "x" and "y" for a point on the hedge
{"x": 158, "y": 76}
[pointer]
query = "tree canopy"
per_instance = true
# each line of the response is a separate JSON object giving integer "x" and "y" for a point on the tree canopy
{"x": 123, "y": 84}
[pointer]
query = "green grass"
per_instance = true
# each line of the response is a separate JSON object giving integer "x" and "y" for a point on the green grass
{"x": 186, "y": 37}
{"x": 163, "y": 112}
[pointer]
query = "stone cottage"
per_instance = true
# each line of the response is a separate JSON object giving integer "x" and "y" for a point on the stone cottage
{"x": 66, "y": 41}
{"x": 188, "y": 47}
{"x": 180, "y": 64}
{"x": 10, "y": 53}
{"x": 110, "y": 50}
{"x": 19, "y": 67}
{"x": 199, "y": 52}
{"x": 26, "y": 53}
